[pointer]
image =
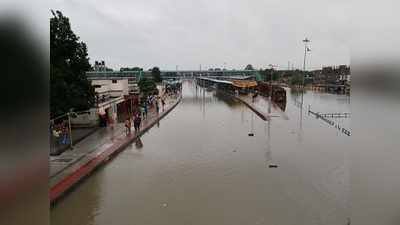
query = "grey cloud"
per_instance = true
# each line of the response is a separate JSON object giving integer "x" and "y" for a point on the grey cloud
{"x": 188, "y": 33}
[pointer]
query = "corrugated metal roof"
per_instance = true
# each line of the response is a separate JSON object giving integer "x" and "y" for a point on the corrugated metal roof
{"x": 244, "y": 83}
{"x": 216, "y": 81}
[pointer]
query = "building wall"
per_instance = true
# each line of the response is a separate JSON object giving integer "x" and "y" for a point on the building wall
{"x": 113, "y": 88}
{"x": 88, "y": 118}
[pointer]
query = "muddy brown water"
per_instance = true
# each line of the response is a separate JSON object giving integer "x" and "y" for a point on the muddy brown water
{"x": 200, "y": 166}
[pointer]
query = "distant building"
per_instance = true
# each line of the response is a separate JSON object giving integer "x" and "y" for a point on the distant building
{"x": 101, "y": 66}
{"x": 334, "y": 74}
{"x": 115, "y": 83}
{"x": 343, "y": 69}
{"x": 344, "y": 73}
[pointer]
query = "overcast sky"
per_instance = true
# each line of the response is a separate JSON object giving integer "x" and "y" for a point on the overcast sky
{"x": 188, "y": 33}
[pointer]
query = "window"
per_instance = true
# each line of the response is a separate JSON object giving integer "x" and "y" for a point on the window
{"x": 114, "y": 81}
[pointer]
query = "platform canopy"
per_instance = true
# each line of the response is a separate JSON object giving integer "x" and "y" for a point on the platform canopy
{"x": 244, "y": 83}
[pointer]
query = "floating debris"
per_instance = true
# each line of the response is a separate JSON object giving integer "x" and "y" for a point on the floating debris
{"x": 273, "y": 166}
{"x": 251, "y": 134}
{"x": 164, "y": 205}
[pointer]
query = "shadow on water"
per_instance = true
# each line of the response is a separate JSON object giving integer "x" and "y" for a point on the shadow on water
{"x": 281, "y": 105}
{"x": 295, "y": 94}
{"x": 228, "y": 100}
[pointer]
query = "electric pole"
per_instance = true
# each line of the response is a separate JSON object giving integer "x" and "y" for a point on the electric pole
{"x": 306, "y": 49}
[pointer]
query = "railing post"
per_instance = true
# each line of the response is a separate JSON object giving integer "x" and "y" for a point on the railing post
{"x": 70, "y": 130}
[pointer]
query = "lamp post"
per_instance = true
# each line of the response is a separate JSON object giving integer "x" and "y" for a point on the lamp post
{"x": 69, "y": 114}
{"x": 270, "y": 88}
{"x": 306, "y": 49}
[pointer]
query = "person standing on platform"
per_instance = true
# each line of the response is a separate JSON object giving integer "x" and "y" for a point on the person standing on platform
{"x": 136, "y": 123}
{"x": 163, "y": 103}
{"x": 145, "y": 108}
{"x": 113, "y": 120}
{"x": 157, "y": 106}
{"x": 128, "y": 126}
{"x": 141, "y": 111}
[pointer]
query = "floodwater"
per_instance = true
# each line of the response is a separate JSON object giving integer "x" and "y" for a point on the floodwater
{"x": 201, "y": 167}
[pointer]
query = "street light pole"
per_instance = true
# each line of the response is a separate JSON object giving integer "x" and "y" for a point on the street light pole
{"x": 270, "y": 88}
{"x": 306, "y": 49}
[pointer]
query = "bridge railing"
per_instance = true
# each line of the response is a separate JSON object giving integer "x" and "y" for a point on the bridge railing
{"x": 323, "y": 117}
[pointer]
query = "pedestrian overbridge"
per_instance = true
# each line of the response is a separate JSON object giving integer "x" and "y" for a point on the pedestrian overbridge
{"x": 223, "y": 74}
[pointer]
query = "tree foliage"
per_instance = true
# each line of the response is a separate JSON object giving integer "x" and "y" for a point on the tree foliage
{"x": 266, "y": 74}
{"x": 273, "y": 73}
{"x": 69, "y": 87}
{"x": 249, "y": 67}
{"x": 155, "y": 72}
{"x": 296, "y": 79}
{"x": 147, "y": 87}
{"x": 131, "y": 69}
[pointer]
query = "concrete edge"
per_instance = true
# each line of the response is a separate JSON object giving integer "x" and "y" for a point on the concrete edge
{"x": 261, "y": 115}
{"x": 254, "y": 109}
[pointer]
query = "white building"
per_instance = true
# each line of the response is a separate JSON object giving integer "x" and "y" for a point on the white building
{"x": 114, "y": 90}
{"x": 111, "y": 88}
{"x": 112, "y": 83}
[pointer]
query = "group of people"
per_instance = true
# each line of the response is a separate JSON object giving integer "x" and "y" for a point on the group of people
{"x": 142, "y": 113}
{"x": 173, "y": 89}
{"x": 137, "y": 121}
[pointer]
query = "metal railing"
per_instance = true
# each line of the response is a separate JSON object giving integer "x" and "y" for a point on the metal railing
{"x": 63, "y": 136}
{"x": 330, "y": 122}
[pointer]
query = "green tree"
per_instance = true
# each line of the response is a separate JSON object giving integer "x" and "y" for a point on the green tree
{"x": 296, "y": 79}
{"x": 266, "y": 74}
{"x": 147, "y": 87}
{"x": 274, "y": 73}
{"x": 69, "y": 87}
{"x": 131, "y": 69}
{"x": 155, "y": 72}
{"x": 249, "y": 67}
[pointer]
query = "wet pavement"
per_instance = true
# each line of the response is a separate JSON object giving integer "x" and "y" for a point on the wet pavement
{"x": 200, "y": 166}
{"x": 71, "y": 166}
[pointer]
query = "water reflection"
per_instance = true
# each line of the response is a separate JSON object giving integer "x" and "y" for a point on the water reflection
{"x": 139, "y": 143}
{"x": 281, "y": 105}
{"x": 300, "y": 130}
{"x": 228, "y": 100}
{"x": 268, "y": 153}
